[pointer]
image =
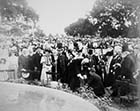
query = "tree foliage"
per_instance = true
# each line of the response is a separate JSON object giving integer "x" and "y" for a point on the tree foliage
{"x": 17, "y": 15}
{"x": 112, "y": 18}
{"x": 12, "y": 10}
{"x": 116, "y": 18}
{"x": 81, "y": 27}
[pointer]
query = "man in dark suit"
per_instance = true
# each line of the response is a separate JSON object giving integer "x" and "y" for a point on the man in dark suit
{"x": 89, "y": 77}
{"x": 128, "y": 65}
{"x": 126, "y": 72}
{"x": 23, "y": 62}
{"x": 74, "y": 68}
{"x": 62, "y": 62}
{"x": 112, "y": 68}
{"x": 36, "y": 63}
{"x": 94, "y": 81}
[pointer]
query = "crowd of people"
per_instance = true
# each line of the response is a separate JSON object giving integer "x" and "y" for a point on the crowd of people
{"x": 96, "y": 63}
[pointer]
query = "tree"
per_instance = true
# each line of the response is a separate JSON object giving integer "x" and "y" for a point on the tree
{"x": 39, "y": 33}
{"x": 17, "y": 16}
{"x": 113, "y": 18}
{"x": 116, "y": 18}
{"x": 14, "y": 10}
{"x": 81, "y": 27}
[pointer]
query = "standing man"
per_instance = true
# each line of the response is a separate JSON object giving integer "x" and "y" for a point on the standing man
{"x": 36, "y": 63}
{"x": 62, "y": 61}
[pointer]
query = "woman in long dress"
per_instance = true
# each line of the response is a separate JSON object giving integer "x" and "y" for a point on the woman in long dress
{"x": 46, "y": 61}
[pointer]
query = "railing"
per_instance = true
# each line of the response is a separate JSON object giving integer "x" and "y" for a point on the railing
{"x": 8, "y": 70}
{"x": 10, "y": 73}
{"x": 131, "y": 97}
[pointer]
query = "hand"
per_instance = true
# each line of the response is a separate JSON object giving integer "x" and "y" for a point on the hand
{"x": 85, "y": 76}
{"x": 35, "y": 68}
{"x": 80, "y": 76}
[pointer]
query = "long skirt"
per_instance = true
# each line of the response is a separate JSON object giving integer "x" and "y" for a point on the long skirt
{"x": 45, "y": 78}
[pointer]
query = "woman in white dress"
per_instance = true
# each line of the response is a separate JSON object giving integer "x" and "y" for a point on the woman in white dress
{"x": 46, "y": 61}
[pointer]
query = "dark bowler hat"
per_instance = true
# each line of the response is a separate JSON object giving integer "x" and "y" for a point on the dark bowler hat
{"x": 48, "y": 50}
{"x": 59, "y": 45}
{"x": 38, "y": 47}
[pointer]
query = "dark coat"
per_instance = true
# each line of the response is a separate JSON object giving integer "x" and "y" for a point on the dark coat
{"x": 54, "y": 75}
{"x": 99, "y": 66}
{"x": 36, "y": 61}
{"x": 74, "y": 68}
{"x": 23, "y": 63}
{"x": 61, "y": 67}
{"x": 128, "y": 66}
{"x": 114, "y": 71}
{"x": 38, "y": 65}
{"x": 126, "y": 74}
{"x": 31, "y": 63}
{"x": 95, "y": 82}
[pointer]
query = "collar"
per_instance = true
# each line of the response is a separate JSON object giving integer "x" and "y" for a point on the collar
{"x": 124, "y": 54}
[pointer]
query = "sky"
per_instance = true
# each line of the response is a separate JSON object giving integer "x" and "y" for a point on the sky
{"x": 55, "y": 15}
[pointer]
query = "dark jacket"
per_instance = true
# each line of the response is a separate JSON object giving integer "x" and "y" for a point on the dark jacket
{"x": 95, "y": 82}
{"x": 74, "y": 68}
{"x": 36, "y": 61}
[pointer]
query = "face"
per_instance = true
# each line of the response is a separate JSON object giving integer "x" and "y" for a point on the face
{"x": 117, "y": 50}
{"x": 47, "y": 53}
{"x": 60, "y": 51}
{"x": 38, "y": 50}
{"x": 25, "y": 52}
{"x": 70, "y": 56}
{"x": 30, "y": 52}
